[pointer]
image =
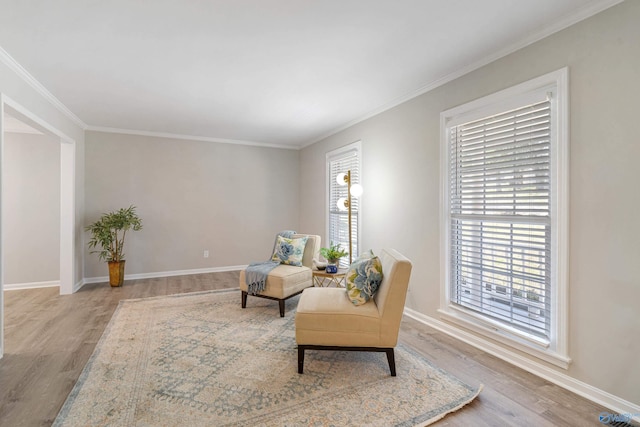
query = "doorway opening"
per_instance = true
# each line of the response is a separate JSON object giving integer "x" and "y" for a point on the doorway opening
{"x": 14, "y": 113}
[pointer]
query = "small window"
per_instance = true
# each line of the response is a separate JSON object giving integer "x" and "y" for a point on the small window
{"x": 340, "y": 161}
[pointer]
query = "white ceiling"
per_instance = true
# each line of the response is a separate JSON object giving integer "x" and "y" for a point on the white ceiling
{"x": 276, "y": 72}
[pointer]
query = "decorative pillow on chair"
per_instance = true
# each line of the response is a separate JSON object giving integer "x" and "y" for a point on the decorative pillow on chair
{"x": 363, "y": 278}
{"x": 289, "y": 251}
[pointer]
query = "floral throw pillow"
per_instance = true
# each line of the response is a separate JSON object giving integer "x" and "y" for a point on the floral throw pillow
{"x": 289, "y": 251}
{"x": 363, "y": 278}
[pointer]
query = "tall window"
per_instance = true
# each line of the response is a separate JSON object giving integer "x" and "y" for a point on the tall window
{"x": 340, "y": 161}
{"x": 503, "y": 171}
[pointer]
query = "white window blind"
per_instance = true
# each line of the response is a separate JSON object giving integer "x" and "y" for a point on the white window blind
{"x": 500, "y": 209}
{"x": 338, "y": 219}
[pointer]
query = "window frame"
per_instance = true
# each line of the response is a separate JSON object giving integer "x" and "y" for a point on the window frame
{"x": 554, "y": 351}
{"x": 333, "y": 155}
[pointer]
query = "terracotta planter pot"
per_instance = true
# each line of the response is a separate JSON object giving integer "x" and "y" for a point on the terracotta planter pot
{"x": 116, "y": 273}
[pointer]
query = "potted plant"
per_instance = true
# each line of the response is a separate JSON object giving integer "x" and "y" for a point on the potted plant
{"x": 333, "y": 254}
{"x": 108, "y": 234}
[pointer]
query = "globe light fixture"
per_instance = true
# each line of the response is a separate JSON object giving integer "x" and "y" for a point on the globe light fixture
{"x": 356, "y": 190}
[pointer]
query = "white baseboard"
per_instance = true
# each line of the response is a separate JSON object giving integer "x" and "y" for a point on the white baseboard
{"x": 102, "y": 279}
{"x": 32, "y": 285}
{"x": 77, "y": 286}
{"x": 601, "y": 397}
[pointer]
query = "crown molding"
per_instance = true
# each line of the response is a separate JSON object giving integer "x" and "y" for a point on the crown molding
{"x": 187, "y": 137}
{"x": 564, "y": 22}
{"x": 38, "y": 87}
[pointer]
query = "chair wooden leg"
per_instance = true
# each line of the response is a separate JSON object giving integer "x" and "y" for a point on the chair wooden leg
{"x": 244, "y": 299}
{"x": 392, "y": 361}
{"x": 300, "y": 358}
{"x": 281, "y": 304}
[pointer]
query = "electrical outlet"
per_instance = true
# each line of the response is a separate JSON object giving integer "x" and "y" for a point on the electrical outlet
{"x": 206, "y": 253}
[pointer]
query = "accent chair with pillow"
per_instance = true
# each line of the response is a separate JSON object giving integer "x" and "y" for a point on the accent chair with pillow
{"x": 291, "y": 273}
{"x": 332, "y": 319}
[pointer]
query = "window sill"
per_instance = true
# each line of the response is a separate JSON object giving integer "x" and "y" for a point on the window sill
{"x": 530, "y": 345}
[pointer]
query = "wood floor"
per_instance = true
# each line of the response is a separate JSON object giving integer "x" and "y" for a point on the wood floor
{"x": 49, "y": 338}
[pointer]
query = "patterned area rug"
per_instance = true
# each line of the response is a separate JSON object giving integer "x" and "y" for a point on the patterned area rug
{"x": 200, "y": 360}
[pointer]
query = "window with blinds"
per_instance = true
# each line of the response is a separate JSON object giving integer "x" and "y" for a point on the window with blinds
{"x": 500, "y": 224}
{"x": 504, "y": 247}
{"x": 341, "y": 161}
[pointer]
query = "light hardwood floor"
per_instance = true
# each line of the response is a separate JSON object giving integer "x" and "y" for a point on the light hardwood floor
{"x": 49, "y": 338}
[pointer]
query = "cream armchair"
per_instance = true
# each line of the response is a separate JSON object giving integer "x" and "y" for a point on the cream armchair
{"x": 286, "y": 281}
{"x": 327, "y": 320}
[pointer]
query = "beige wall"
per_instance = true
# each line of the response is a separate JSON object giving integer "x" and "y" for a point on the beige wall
{"x": 31, "y": 191}
{"x": 400, "y": 206}
{"x": 192, "y": 196}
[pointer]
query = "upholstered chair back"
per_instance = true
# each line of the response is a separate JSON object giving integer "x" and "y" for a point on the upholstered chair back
{"x": 391, "y": 294}
{"x": 311, "y": 250}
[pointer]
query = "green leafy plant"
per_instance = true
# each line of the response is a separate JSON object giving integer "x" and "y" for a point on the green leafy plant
{"x": 333, "y": 253}
{"x": 109, "y": 231}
